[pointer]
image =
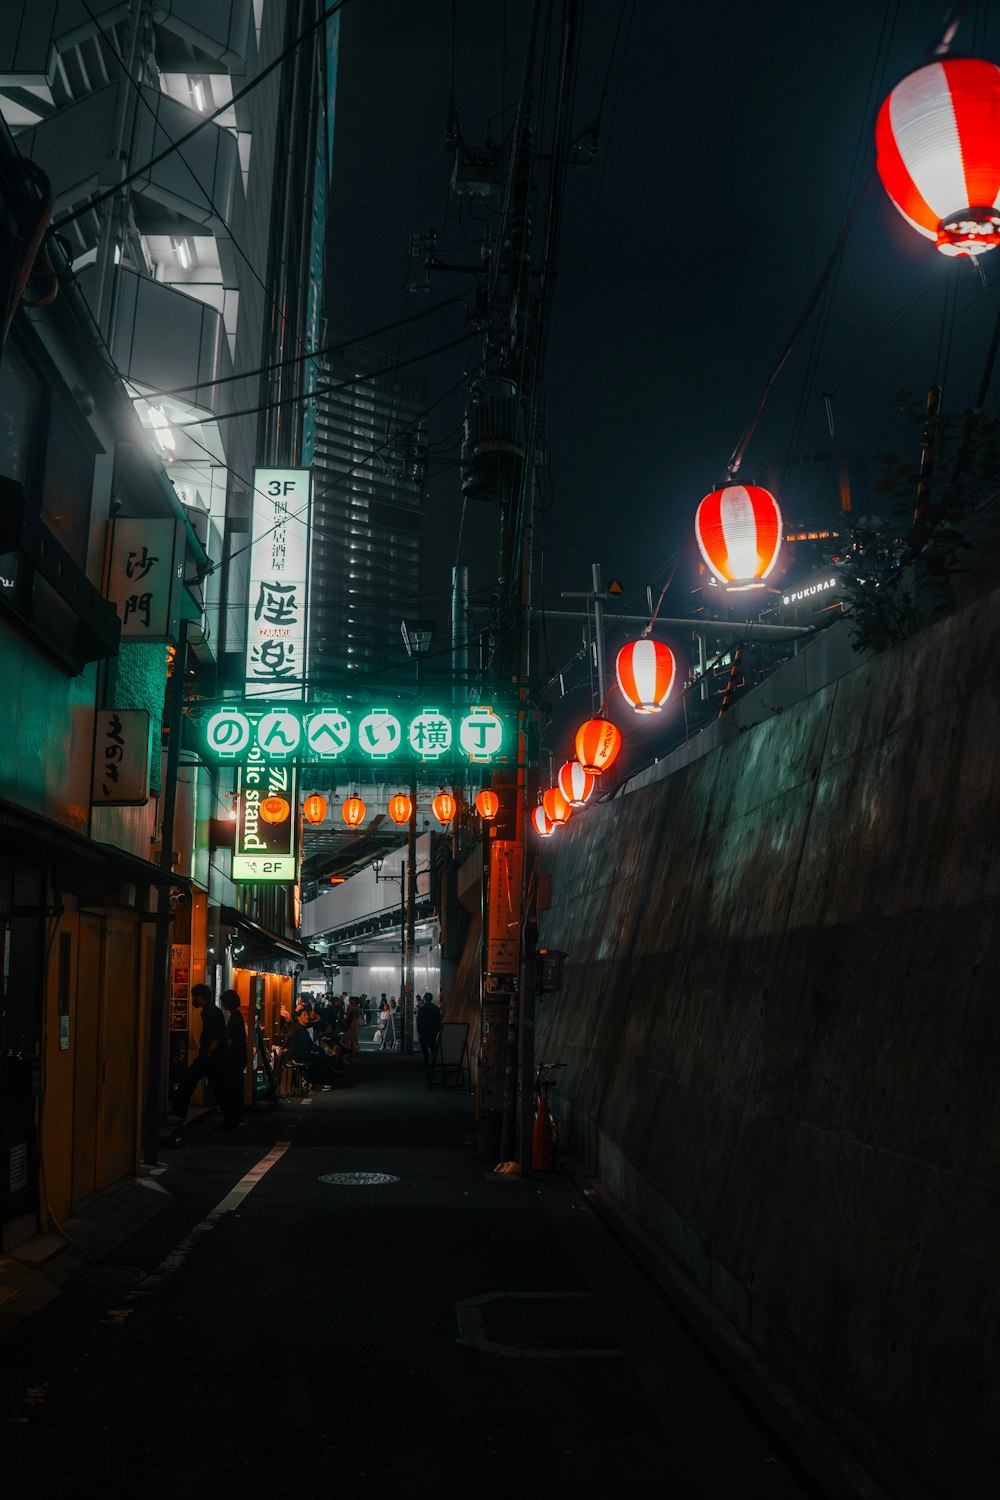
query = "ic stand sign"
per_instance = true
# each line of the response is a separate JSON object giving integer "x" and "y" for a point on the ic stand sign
{"x": 265, "y": 852}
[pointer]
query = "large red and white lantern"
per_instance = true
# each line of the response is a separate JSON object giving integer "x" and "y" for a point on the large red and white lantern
{"x": 575, "y": 783}
{"x": 542, "y": 823}
{"x": 597, "y": 745}
{"x": 646, "y": 670}
{"x": 556, "y": 806}
{"x": 938, "y": 141}
{"x": 739, "y": 532}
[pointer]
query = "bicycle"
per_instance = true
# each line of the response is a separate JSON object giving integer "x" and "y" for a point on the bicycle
{"x": 545, "y": 1136}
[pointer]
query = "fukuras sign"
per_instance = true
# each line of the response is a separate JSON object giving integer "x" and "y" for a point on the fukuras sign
{"x": 265, "y": 851}
{"x": 279, "y": 565}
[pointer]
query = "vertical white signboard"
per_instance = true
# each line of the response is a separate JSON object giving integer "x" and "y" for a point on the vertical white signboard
{"x": 279, "y": 561}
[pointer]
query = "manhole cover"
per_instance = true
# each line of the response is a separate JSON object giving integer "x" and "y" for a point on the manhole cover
{"x": 109, "y": 1275}
{"x": 358, "y": 1179}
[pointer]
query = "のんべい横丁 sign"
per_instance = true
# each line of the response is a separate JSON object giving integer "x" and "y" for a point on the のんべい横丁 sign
{"x": 318, "y": 734}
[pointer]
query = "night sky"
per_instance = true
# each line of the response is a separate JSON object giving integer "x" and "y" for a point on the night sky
{"x": 734, "y": 139}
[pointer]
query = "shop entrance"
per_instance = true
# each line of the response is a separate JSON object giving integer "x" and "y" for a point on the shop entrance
{"x": 104, "y": 1081}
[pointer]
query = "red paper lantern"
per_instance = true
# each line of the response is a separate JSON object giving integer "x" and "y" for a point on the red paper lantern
{"x": 314, "y": 808}
{"x": 487, "y": 804}
{"x": 354, "y": 812}
{"x": 739, "y": 532}
{"x": 274, "y": 809}
{"x": 597, "y": 745}
{"x": 542, "y": 823}
{"x": 400, "y": 808}
{"x": 575, "y": 783}
{"x": 556, "y": 806}
{"x": 938, "y": 141}
{"x": 646, "y": 670}
{"x": 444, "y": 806}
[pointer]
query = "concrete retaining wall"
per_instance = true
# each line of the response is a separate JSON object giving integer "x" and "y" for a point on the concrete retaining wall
{"x": 782, "y": 1026}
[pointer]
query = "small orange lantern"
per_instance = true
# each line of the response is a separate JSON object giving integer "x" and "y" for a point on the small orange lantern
{"x": 354, "y": 812}
{"x": 542, "y": 823}
{"x": 274, "y": 809}
{"x": 444, "y": 806}
{"x": 400, "y": 808}
{"x": 314, "y": 808}
{"x": 487, "y": 804}
{"x": 597, "y": 745}
{"x": 556, "y": 806}
{"x": 575, "y": 783}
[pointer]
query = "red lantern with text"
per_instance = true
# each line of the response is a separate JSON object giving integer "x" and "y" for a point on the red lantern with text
{"x": 487, "y": 804}
{"x": 354, "y": 812}
{"x": 556, "y": 806}
{"x": 400, "y": 808}
{"x": 739, "y": 532}
{"x": 646, "y": 670}
{"x": 938, "y": 142}
{"x": 444, "y": 806}
{"x": 575, "y": 783}
{"x": 274, "y": 809}
{"x": 542, "y": 823}
{"x": 597, "y": 745}
{"x": 314, "y": 808}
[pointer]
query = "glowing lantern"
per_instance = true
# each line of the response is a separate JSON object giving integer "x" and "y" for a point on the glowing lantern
{"x": 314, "y": 808}
{"x": 400, "y": 808}
{"x": 575, "y": 783}
{"x": 938, "y": 141}
{"x": 354, "y": 812}
{"x": 597, "y": 745}
{"x": 739, "y": 532}
{"x": 444, "y": 806}
{"x": 543, "y": 824}
{"x": 487, "y": 804}
{"x": 556, "y": 806}
{"x": 646, "y": 670}
{"x": 274, "y": 809}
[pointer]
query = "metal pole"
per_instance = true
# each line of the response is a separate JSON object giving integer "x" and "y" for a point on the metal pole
{"x": 402, "y": 934}
{"x": 411, "y": 916}
{"x": 460, "y": 634}
{"x": 602, "y": 680}
{"x": 154, "y": 1103}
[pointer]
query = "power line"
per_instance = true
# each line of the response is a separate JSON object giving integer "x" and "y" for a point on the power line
{"x": 130, "y": 177}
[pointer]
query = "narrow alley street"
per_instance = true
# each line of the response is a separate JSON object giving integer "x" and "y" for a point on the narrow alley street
{"x": 275, "y": 1329}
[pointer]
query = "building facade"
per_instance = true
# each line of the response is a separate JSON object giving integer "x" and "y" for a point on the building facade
{"x": 171, "y": 214}
{"x": 369, "y": 466}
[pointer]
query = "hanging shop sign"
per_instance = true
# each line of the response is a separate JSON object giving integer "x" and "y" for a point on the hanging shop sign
{"x": 503, "y": 932}
{"x": 279, "y": 567}
{"x": 146, "y": 577}
{"x": 265, "y": 851}
{"x": 121, "y": 758}
{"x": 306, "y": 734}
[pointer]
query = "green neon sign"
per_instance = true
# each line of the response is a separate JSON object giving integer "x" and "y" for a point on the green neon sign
{"x": 305, "y": 734}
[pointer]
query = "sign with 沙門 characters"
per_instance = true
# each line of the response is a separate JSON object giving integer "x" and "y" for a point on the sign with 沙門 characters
{"x": 279, "y": 567}
{"x": 265, "y": 851}
{"x": 146, "y": 577}
{"x": 356, "y": 738}
{"x": 121, "y": 758}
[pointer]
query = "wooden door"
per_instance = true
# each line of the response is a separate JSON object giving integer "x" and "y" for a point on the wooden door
{"x": 119, "y": 1026}
{"x": 86, "y": 1031}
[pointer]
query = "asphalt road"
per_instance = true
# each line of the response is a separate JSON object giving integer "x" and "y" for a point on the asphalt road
{"x": 443, "y": 1333}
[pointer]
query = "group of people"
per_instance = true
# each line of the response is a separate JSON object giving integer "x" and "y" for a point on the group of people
{"x": 222, "y": 1056}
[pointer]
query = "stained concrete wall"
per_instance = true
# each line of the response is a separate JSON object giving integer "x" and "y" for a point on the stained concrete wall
{"x": 780, "y": 1020}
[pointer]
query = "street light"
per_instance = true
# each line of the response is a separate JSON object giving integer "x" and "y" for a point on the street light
{"x": 417, "y": 636}
{"x": 380, "y": 879}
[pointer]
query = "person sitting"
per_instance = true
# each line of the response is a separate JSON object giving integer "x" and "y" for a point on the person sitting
{"x": 309, "y": 1054}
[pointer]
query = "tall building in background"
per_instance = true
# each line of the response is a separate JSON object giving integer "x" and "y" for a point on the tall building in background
{"x": 163, "y": 181}
{"x": 368, "y": 473}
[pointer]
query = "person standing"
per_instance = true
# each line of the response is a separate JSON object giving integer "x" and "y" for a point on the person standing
{"x": 428, "y": 1026}
{"x": 385, "y": 1025}
{"x": 210, "y": 1062}
{"x": 235, "y": 1061}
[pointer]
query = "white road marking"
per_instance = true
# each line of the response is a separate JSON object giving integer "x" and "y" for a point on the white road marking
{"x": 232, "y": 1200}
